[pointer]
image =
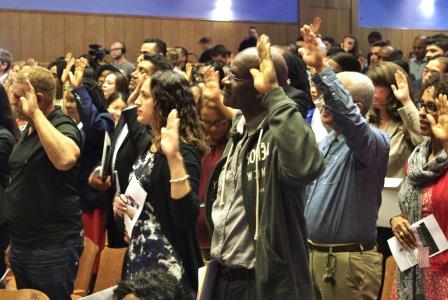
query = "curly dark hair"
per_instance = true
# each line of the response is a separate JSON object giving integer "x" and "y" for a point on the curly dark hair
{"x": 384, "y": 74}
{"x": 170, "y": 91}
{"x": 439, "y": 82}
{"x": 155, "y": 284}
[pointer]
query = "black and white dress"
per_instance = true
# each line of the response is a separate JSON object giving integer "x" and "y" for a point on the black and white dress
{"x": 149, "y": 248}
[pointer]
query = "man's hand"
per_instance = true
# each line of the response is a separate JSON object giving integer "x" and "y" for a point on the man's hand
{"x": 133, "y": 97}
{"x": 310, "y": 52}
{"x": 29, "y": 103}
{"x": 210, "y": 90}
{"x": 265, "y": 79}
{"x": 401, "y": 90}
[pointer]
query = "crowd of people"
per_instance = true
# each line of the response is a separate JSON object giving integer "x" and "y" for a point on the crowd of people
{"x": 269, "y": 162}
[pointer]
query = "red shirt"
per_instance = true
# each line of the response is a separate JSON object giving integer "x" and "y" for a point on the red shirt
{"x": 208, "y": 163}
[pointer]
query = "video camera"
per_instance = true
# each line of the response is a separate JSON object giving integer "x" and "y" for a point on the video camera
{"x": 98, "y": 53}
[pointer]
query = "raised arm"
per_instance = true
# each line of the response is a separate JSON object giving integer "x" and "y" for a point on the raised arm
{"x": 185, "y": 172}
{"x": 299, "y": 159}
{"x": 62, "y": 151}
{"x": 361, "y": 138}
{"x": 409, "y": 112}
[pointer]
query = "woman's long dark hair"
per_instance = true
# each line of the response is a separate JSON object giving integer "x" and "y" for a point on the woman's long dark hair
{"x": 6, "y": 116}
{"x": 384, "y": 74}
{"x": 121, "y": 83}
{"x": 171, "y": 90}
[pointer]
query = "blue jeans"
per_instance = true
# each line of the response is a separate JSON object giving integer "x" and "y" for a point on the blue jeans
{"x": 51, "y": 270}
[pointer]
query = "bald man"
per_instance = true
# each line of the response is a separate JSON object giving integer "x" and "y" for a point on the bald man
{"x": 342, "y": 204}
{"x": 255, "y": 201}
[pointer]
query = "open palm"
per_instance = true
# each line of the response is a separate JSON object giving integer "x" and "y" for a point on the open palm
{"x": 170, "y": 135}
{"x": 440, "y": 127}
{"x": 311, "y": 53}
{"x": 401, "y": 90}
{"x": 265, "y": 79}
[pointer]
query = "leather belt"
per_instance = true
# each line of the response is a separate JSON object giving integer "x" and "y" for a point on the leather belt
{"x": 344, "y": 248}
{"x": 235, "y": 273}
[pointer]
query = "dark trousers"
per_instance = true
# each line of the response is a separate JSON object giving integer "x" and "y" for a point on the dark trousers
{"x": 4, "y": 242}
{"x": 228, "y": 288}
{"x": 50, "y": 270}
{"x": 383, "y": 234}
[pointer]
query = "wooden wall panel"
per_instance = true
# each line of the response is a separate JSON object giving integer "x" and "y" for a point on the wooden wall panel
{"x": 114, "y": 30}
{"x": 10, "y": 33}
{"x": 46, "y": 35}
{"x": 75, "y": 42}
{"x": 53, "y": 39}
{"x": 94, "y": 30}
{"x": 31, "y": 37}
{"x": 133, "y": 36}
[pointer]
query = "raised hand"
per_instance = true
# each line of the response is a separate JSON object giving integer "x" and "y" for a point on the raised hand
{"x": 70, "y": 61}
{"x": 315, "y": 24}
{"x": 29, "y": 102}
{"x": 80, "y": 66}
{"x": 401, "y": 90}
{"x": 210, "y": 88}
{"x": 133, "y": 97}
{"x": 170, "y": 135}
{"x": 265, "y": 79}
{"x": 439, "y": 128}
{"x": 310, "y": 52}
{"x": 188, "y": 71}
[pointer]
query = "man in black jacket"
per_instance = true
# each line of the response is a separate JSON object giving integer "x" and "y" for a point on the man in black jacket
{"x": 255, "y": 198}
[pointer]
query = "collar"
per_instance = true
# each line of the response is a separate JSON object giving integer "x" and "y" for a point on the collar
{"x": 253, "y": 124}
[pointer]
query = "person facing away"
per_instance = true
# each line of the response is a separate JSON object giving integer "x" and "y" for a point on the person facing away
{"x": 342, "y": 204}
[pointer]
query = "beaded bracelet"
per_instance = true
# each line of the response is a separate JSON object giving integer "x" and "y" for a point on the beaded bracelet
{"x": 179, "y": 180}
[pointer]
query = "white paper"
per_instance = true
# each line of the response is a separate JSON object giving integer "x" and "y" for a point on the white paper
{"x": 389, "y": 201}
{"x": 136, "y": 197}
{"x": 106, "y": 294}
{"x": 207, "y": 277}
{"x": 105, "y": 159}
{"x": 407, "y": 257}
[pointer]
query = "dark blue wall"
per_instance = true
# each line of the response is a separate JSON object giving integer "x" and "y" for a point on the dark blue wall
{"x": 282, "y": 11}
{"x": 404, "y": 14}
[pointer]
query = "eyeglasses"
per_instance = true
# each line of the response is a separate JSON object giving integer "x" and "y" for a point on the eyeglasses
{"x": 430, "y": 107}
{"x": 216, "y": 123}
{"x": 232, "y": 76}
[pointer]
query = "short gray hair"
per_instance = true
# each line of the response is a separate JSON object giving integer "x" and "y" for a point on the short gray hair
{"x": 360, "y": 86}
